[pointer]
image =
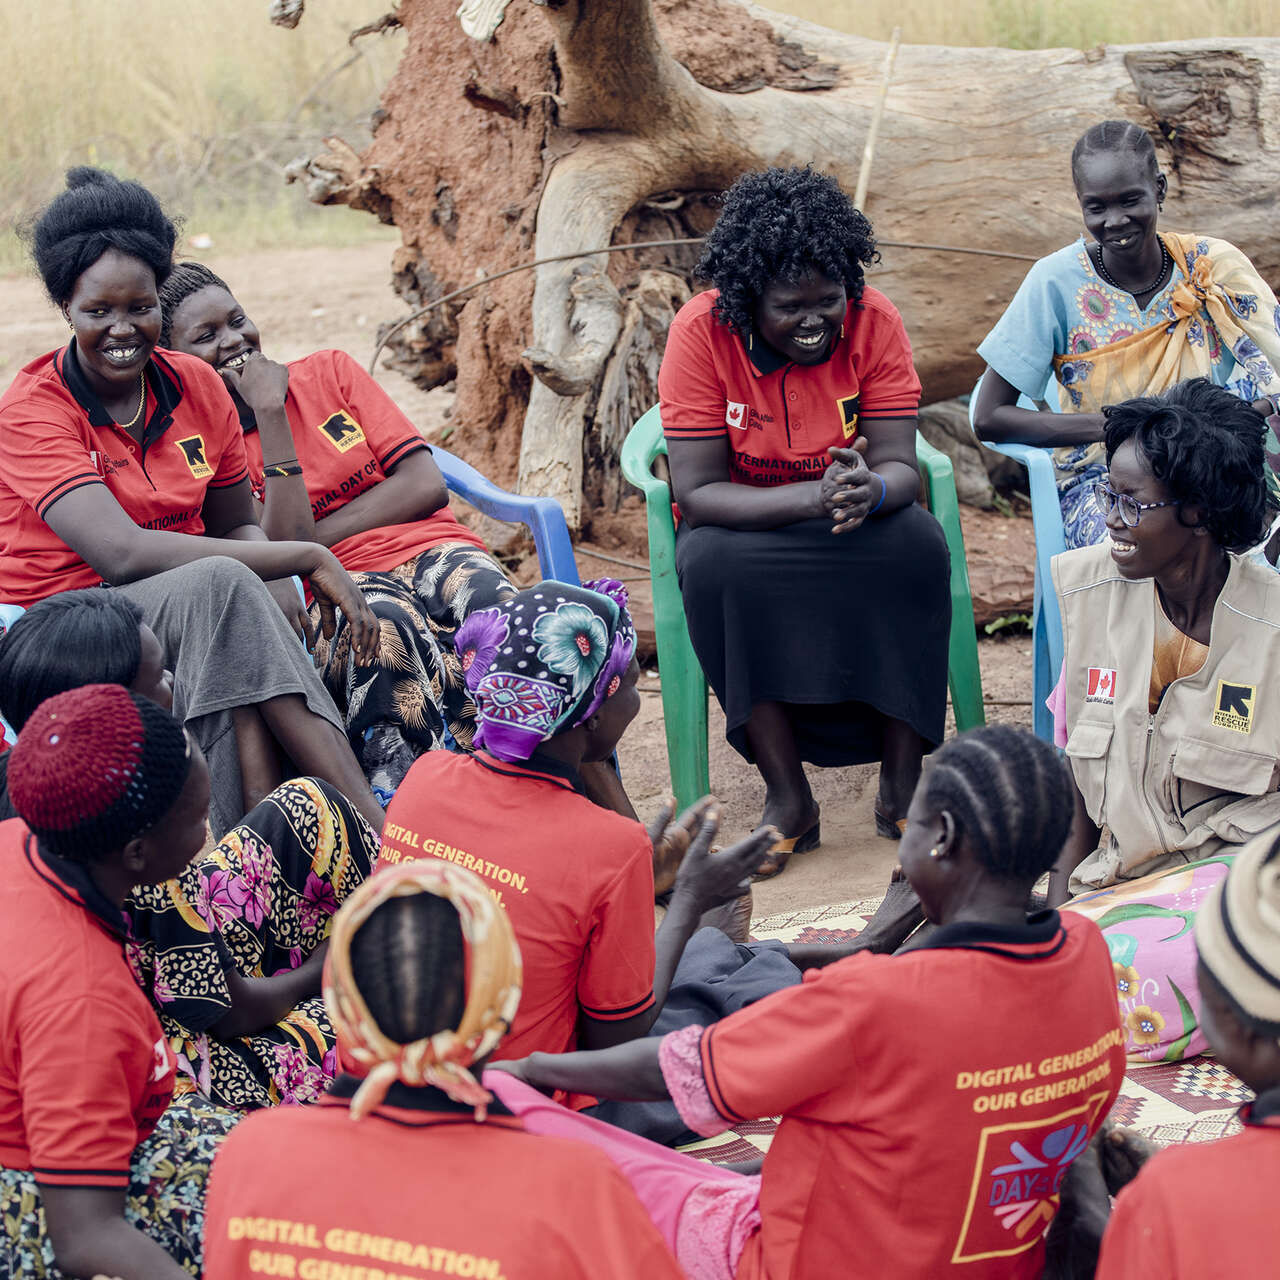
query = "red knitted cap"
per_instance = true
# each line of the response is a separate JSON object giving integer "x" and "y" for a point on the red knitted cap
{"x": 95, "y": 766}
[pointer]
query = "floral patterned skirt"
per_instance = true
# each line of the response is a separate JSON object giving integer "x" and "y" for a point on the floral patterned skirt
{"x": 259, "y": 902}
{"x": 1149, "y": 928}
{"x": 412, "y": 698}
{"x": 165, "y": 1200}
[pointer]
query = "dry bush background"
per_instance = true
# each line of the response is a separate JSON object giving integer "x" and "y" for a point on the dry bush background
{"x": 207, "y": 102}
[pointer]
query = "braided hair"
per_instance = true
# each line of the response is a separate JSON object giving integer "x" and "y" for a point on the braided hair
{"x": 783, "y": 224}
{"x": 1009, "y": 795}
{"x": 95, "y": 213}
{"x": 1113, "y": 136}
{"x": 1205, "y": 446}
{"x": 185, "y": 279}
{"x": 409, "y": 964}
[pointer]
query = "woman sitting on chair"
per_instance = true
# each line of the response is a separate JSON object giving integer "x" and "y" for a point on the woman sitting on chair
{"x": 789, "y": 403}
{"x": 1130, "y": 314}
{"x": 125, "y": 465}
{"x": 1171, "y": 643}
{"x": 332, "y": 459}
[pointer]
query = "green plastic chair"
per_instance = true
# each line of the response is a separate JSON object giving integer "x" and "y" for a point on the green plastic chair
{"x": 684, "y": 687}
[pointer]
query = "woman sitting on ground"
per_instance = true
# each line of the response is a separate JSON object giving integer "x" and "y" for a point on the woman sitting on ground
{"x": 333, "y": 460}
{"x": 99, "y": 1172}
{"x": 123, "y": 465}
{"x": 553, "y": 673}
{"x": 789, "y": 405}
{"x": 930, "y": 1079}
{"x": 230, "y": 950}
{"x": 1171, "y": 641}
{"x": 1130, "y": 314}
{"x": 422, "y": 981}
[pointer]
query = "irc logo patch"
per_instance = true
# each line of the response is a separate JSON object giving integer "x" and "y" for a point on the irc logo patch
{"x": 848, "y": 407}
{"x": 1016, "y": 1182}
{"x": 342, "y": 431}
{"x": 1233, "y": 707}
{"x": 193, "y": 452}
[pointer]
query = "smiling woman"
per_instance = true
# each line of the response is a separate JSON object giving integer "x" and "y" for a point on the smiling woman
{"x": 789, "y": 405}
{"x": 123, "y": 465}
{"x": 1130, "y": 314}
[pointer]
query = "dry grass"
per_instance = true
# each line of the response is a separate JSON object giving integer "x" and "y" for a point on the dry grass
{"x": 1039, "y": 24}
{"x": 206, "y": 102}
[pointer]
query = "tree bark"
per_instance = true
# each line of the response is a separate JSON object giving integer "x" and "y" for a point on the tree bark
{"x": 573, "y": 126}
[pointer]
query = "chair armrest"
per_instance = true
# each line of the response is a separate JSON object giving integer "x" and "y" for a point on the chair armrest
{"x": 543, "y": 516}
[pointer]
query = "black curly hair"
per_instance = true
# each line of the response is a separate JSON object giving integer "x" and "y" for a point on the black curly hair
{"x": 783, "y": 224}
{"x": 1010, "y": 796}
{"x": 97, "y": 212}
{"x": 409, "y": 963}
{"x": 1112, "y": 136}
{"x": 185, "y": 279}
{"x": 1205, "y": 446}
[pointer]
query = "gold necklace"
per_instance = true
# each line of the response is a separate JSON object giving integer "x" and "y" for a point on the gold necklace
{"x": 142, "y": 404}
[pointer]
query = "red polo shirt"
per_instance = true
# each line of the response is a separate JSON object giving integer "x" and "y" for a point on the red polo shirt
{"x": 349, "y": 434}
{"x": 576, "y": 880}
{"x": 85, "y": 1071}
{"x": 931, "y": 1102}
{"x": 1200, "y": 1210}
{"x": 55, "y": 437}
{"x": 418, "y": 1189}
{"x": 780, "y": 417}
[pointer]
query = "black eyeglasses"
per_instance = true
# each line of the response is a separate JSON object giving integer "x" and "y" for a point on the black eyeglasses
{"x": 1130, "y": 508}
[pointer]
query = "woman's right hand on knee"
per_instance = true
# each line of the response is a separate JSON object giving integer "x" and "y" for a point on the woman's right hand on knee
{"x": 334, "y": 589}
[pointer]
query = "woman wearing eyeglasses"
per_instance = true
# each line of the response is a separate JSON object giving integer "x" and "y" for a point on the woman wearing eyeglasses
{"x": 1171, "y": 709}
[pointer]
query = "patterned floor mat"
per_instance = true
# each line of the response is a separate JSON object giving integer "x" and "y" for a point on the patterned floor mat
{"x": 1191, "y": 1101}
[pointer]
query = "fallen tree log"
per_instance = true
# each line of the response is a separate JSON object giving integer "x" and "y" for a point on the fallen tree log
{"x": 583, "y": 123}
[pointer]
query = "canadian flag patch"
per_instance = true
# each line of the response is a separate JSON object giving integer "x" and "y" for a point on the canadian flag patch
{"x": 735, "y": 415}
{"x": 1102, "y": 685}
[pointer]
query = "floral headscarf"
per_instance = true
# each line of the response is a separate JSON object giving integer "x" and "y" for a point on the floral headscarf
{"x": 544, "y": 661}
{"x": 494, "y": 977}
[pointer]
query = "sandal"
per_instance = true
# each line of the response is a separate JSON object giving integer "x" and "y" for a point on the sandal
{"x": 781, "y": 852}
{"x": 889, "y": 828}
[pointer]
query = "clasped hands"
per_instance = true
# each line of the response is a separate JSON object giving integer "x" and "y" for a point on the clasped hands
{"x": 849, "y": 489}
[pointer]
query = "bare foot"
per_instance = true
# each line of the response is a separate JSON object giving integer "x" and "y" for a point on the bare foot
{"x": 1123, "y": 1152}
{"x": 896, "y": 917}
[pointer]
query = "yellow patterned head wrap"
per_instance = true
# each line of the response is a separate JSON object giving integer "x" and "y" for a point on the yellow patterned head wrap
{"x": 493, "y": 981}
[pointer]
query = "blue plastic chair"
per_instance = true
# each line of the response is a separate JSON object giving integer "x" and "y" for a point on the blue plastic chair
{"x": 1046, "y": 516}
{"x": 544, "y": 516}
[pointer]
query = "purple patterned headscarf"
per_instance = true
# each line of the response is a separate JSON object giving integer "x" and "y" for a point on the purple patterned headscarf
{"x": 544, "y": 661}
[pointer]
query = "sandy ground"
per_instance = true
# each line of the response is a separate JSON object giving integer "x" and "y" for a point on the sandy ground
{"x": 304, "y": 299}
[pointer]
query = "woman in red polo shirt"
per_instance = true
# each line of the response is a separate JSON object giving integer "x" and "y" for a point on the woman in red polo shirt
{"x": 99, "y": 1172}
{"x": 931, "y": 1109}
{"x": 229, "y": 951}
{"x": 122, "y": 465}
{"x": 422, "y": 980}
{"x": 333, "y": 460}
{"x": 789, "y": 406}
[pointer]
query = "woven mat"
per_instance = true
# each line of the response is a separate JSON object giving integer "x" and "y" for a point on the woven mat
{"x": 1191, "y": 1101}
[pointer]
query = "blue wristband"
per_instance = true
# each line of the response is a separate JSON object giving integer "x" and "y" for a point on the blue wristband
{"x": 884, "y": 488}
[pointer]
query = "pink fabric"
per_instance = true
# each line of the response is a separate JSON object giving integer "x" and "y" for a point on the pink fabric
{"x": 705, "y": 1214}
{"x": 1057, "y": 703}
{"x": 680, "y": 1057}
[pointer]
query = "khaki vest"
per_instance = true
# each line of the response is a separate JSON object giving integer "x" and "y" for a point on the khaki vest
{"x": 1202, "y": 773}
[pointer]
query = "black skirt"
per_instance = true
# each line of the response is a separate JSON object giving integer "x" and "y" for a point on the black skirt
{"x": 845, "y": 630}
